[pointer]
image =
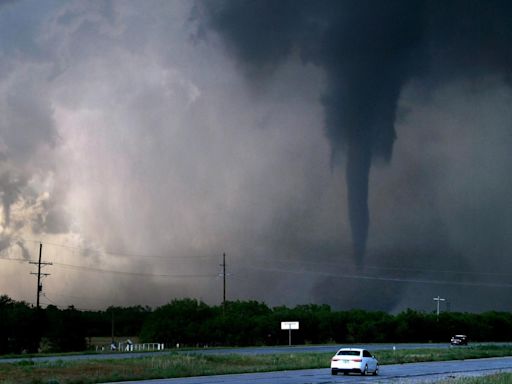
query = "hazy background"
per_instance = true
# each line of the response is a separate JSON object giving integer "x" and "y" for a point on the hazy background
{"x": 137, "y": 146}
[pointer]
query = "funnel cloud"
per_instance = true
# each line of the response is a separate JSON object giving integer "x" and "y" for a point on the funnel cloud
{"x": 368, "y": 50}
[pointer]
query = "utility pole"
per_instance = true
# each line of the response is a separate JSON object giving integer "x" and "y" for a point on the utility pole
{"x": 223, "y": 265}
{"x": 39, "y": 274}
{"x": 438, "y": 299}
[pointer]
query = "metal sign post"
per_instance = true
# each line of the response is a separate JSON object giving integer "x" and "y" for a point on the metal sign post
{"x": 289, "y": 325}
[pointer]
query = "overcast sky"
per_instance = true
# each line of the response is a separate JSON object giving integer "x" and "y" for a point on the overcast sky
{"x": 138, "y": 143}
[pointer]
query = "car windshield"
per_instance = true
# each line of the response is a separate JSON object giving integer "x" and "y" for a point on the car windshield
{"x": 349, "y": 353}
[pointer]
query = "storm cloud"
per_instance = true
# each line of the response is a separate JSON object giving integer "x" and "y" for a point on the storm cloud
{"x": 140, "y": 141}
{"x": 368, "y": 50}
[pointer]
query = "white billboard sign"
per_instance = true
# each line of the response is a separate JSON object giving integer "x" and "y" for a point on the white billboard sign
{"x": 288, "y": 325}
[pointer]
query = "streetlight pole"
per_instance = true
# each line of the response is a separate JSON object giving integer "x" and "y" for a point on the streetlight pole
{"x": 438, "y": 299}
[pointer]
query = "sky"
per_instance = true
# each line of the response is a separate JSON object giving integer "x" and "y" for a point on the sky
{"x": 350, "y": 153}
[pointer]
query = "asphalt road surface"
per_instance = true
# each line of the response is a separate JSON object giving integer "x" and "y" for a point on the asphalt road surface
{"x": 238, "y": 351}
{"x": 400, "y": 373}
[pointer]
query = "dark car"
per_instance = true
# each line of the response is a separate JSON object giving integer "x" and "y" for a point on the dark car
{"x": 459, "y": 340}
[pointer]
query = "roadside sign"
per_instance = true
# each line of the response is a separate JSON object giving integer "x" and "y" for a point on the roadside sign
{"x": 287, "y": 325}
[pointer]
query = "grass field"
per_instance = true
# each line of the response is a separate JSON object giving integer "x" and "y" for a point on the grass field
{"x": 182, "y": 365}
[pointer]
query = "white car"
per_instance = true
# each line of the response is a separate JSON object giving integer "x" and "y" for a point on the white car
{"x": 358, "y": 360}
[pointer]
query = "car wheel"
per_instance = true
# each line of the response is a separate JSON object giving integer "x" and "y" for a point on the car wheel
{"x": 376, "y": 372}
{"x": 365, "y": 370}
{"x": 334, "y": 372}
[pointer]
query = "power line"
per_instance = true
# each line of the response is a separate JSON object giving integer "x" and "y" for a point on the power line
{"x": 306, "y": 262}
{"x": 390, "y": 279}
{"x": 128, "y": 273}
{"x": 301, "y": 262}
{"x": 296, "y": 261}
{"x": 400, "y": 269}
{"x": 100, "y": 270}
{"x": 51, "y": 301}
{"x": 279, "y": 270}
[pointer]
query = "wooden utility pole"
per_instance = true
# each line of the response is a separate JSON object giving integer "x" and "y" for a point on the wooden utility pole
{"x": 39, "y": 274}
{"x": 223, "y": 265}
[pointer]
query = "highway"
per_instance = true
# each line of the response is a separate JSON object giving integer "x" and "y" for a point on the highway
{"x": 415, "y": 373}
{"x": 226, "y": 351}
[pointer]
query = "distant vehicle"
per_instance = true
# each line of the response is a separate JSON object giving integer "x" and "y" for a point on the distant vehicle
{"x": 355, "y": 360}
{"x": 459, "y": 340}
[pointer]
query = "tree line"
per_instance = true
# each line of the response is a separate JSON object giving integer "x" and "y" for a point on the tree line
{"x": 188, "y": 322}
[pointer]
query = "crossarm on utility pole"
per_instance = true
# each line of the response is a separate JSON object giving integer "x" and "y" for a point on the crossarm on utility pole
{"x": 39, "y": 274}
{"x": 438, "y": 299}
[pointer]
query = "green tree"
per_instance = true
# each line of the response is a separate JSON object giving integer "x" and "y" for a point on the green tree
{"x": 65, "y": 329}
{"x": 244, "y": 323}
{"x": 415, "y": 326}
{"x": 177, "y": 322}
{"x": 20, "y": 327}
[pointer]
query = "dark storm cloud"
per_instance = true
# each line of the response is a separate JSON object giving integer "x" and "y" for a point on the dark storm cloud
{"x": 369, "y": 50}
{"x": 5, "y": 2}
{"x": 469, "y": 38}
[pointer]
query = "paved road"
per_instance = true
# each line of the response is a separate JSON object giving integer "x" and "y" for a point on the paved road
{"x": 226, "y": 351}
{"x": 407, "y": 374}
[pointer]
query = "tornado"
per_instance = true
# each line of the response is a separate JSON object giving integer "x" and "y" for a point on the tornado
{"x": 364, "y": 48}
{"x": 357, "y": 174}
{"x": 368, "y": 50}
